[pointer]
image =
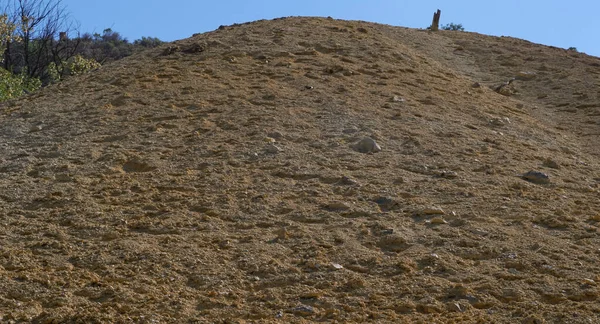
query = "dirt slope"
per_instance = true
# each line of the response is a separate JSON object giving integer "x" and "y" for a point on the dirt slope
{"x": 217, "y": 179}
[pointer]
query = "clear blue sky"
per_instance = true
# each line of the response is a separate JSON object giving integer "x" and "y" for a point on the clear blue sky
{"x": 551, "y": 22}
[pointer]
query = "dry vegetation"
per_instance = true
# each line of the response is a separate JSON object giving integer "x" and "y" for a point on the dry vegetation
{"x": 215, "y": 179}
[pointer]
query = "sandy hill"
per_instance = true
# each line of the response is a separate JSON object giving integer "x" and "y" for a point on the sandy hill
{"x": 307, "y": 169}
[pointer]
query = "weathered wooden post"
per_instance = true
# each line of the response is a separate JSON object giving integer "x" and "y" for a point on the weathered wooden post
{"x": 435, "y": 24}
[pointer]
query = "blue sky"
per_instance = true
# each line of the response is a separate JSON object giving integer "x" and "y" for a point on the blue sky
{"x": 552, "y": 22}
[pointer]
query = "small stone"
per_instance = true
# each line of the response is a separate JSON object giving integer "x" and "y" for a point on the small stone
{"x": 282, "y": 233}
{"x": 35, "y": 129}
{"x": 303, "y": 310}
{"x": 433, "y": 211}
{"x": 476, "y": 85}
{"x": 549, "y": 163}
{"x": 454, "y": 307}
{"x": 536, "y": 177}
{"x": 505, "y": 90}
{"x": 337, "y": 266}
{"x": 525, "y": 76}
{"x": 367, "y": 145}
{"x": 345, "y": 181}
{"x": 438, "y": 220}
{"x": 397, "y": 99}
{"x": 276, "y": 135}
{"x": 499, "y": 121}
{"x": 386, "y": 203}
{"x": 399, "y": 180}
{"x": 337, "y": 206}
{"x": 448, "y": 174}
{"x": 588, "y": 282}
{"x": 272, "y": 149}
{"x": 350, "y": 130}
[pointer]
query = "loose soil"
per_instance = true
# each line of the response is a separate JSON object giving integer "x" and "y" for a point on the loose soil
{"x": 217, "y": 179}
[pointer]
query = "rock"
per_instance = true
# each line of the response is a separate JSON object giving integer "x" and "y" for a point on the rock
{"x": 282, "y": 233}
{"x": 588, "y": 282}
{"x": 549, "y": 163}
{"x": 505, "y": 88}
{"x": 337, "y": 266}
{"x": 275, "y": 135}
{"x": 448, "y": 174}
{"x": 345, "y": 181}
{"x": 536, "y": 177}
{"x": 525, "y": 76}
{"x": 337, "y": 206}
{"x": 394, "y": 242}
{"x": 272, "y": 149}
{"x": 454, "y": 307}
{"x": 367, "y": 145}
{"x": 476, "y": 85}
{"x": 438, "y": 220}
{"x": 34, "y": 129}
{"x": 397, "y": 99}
{"x": 497, "y": 121}
{"x": 432, "y": 211}
{"x": 137, "y": 165}
{"x": 303, "y": 310}
{"x": 350, "y": 130}
{"x": 386, "y": 203}
{"x": 595, "y": 218}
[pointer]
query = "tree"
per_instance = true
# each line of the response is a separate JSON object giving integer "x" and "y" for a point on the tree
{"x": 11, "y": 85}
{"x": 7, "y": 32}
{"x": 43, "y": 27}
{"x": 453, "y": 26}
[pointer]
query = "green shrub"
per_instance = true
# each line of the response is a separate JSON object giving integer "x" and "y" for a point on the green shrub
{"x": 15, "y": 85}
{"x": 74, "y": 66}
{"x": 148, "y": 42}
{"x": 79, "y": 64}
{"x": 453, "y": 26}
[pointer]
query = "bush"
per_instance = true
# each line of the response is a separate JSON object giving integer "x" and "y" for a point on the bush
{"x": 15, "y": 85}
{"x": 78, "y": 65}
{"x": 453, "y": 26}
{"x": 148, "y": 42}
{"x": 74, "y": 66}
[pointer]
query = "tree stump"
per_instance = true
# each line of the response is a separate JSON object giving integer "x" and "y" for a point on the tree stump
{"x": 435, "y": 24}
